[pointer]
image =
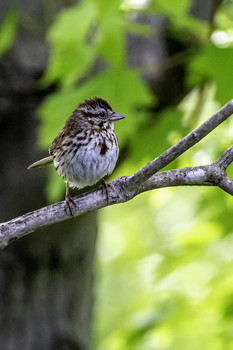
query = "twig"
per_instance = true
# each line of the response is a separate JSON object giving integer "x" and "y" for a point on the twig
{"x": 180, "y": 147}
{"x": 125, "y": 188}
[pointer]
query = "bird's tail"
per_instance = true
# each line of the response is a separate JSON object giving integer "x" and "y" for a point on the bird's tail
{"x": 41, "y": 163}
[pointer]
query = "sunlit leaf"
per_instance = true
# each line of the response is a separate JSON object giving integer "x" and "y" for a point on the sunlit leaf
{"x": 53, "y": 113}
{"x": 71, "y": 55}
{"x": 110, "y": 44}
{"x": 216, "y": 64}
{"x": 167, "y": 7}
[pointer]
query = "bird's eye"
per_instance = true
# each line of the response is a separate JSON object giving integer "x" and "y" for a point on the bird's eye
{"x": 102, "y": 114}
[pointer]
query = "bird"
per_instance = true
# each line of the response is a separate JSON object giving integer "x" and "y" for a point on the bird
{"x": 86, "y": 149}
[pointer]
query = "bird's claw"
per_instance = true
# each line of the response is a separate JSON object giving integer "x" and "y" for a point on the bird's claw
{"x": 69, "y": 201}
{"x": 105, "y": 187}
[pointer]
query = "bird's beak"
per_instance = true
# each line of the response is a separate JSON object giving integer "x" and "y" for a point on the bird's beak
{"x": 116, "y": 116}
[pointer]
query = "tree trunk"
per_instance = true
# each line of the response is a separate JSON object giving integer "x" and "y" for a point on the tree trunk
{"x": 46, "y": 288}
{"x": 45, "y": 278}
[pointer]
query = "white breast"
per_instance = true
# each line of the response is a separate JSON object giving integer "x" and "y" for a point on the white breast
{"x": 87, "y": 166}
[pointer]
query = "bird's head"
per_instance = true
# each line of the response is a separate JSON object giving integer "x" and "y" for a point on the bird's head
{"x": 98, "y": 112}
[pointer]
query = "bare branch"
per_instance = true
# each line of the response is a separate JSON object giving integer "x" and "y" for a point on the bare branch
{"x": 226, "y": 158}
{"x": 191, "y": 176}
{"x": 180, "y": 147}
{"x": 125, "y": 188}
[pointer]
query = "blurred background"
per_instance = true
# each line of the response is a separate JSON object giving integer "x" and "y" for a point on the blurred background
{"x": 154, "y": 273}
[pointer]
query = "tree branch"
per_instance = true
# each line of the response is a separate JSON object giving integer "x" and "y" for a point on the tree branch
{"x": 180, "y": 147}
{"x": 125, "y": 188}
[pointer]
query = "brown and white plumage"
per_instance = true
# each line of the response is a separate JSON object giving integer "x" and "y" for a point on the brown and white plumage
{"x": 86, "y": 149}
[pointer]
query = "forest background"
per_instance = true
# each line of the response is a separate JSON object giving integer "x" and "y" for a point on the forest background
{"x": 163, "y": 261}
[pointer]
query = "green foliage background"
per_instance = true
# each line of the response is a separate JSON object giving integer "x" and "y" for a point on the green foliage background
{"x": 164, "y": 260}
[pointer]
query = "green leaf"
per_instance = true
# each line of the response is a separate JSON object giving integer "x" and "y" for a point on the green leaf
{"x": 181, "y": 22}
{"x": 7, "y": 31}
{"x": 110, "y": 43}
{"x": 150, "y": 141}
{"x": 215, "y": 64}
{"x": 167, "y": 7}
{"x": 71, "y": 54}
{"x": 109, "y": 38}
{"x": 53, "y": 112}
{"x": 107, "y": 8}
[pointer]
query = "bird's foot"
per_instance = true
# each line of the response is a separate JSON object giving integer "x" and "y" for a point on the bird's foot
{"x": 69, "y": 203}
{"x": 69, "y": 200}
{"x": 105, "y": 187}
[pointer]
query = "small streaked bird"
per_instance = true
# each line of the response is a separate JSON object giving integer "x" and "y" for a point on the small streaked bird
{"x": 86, "y": 149}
